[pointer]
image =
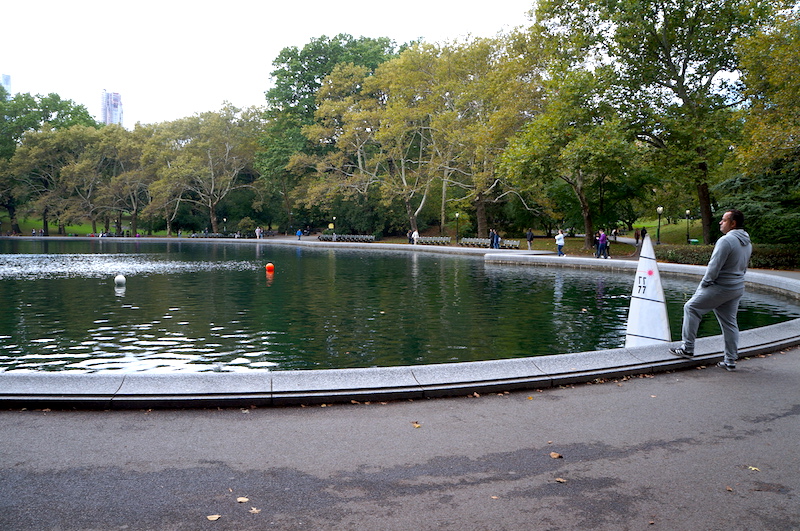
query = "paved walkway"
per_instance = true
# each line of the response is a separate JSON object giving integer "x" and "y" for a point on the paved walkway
{"x": 684, "y": 450}
{"x": 698, "y": 449}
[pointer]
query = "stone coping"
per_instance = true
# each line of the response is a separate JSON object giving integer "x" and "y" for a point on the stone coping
{"x": 112, "y": 390}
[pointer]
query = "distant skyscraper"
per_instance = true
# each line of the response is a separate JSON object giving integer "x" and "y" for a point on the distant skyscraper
{"x": 5, "y": 80}
{"x": 111, "y": 110}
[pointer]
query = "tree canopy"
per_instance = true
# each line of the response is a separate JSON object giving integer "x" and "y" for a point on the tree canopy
{"x": 594, "y": 115}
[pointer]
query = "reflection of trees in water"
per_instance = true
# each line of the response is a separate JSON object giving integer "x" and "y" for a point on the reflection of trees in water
{"x": 322, "y": 309}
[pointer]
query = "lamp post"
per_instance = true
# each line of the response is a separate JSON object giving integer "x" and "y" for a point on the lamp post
{"x": 224, "y": 225}
{"x": 687, "y": 225}
{"x": 457, "y": 214}
{"x": 660, "y": 211}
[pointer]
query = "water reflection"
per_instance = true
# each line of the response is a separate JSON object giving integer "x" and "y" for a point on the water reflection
{"x": 192, "y": 306}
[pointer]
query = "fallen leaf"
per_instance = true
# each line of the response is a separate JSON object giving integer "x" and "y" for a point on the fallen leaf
{"x": 561, "y": 480}
{"x": 556, "y": 455}
{"x": 253, "y": 510}
{"x": 494, "y": 497}
{"x": 213, "y": 517}
{"x": 652, "y": 396}
{"x": 754, "y": 468}
{"x": 416, "y": 424}
{"x": 530, "y": 398}
{"x": 729, "y": 489}
{"x": 242, "y": 499}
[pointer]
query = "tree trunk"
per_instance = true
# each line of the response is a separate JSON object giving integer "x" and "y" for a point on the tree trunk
{"x": 214, "y": 222}
{"x": 412, "y": 217}
{"x": 12, "y": 215}
{"x": 588, "y": 224}
{"x": 704, "y": 197}
{"x": 134, "y": 222}
{"x": 443, "y": 214}
{"x": 480, "y": 217}
{"x": 45, "y": 223}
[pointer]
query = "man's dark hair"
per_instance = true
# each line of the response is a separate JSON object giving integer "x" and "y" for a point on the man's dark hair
{"x": 737, "y": 217}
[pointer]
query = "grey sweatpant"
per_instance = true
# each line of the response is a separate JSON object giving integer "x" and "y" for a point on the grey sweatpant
{"x": 725, "y": 304}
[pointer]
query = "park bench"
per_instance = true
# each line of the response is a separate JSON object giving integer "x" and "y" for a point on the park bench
{"x": 474, "y": 242}
{"x": 434, "y": 240}
{"x": 484, "y": 242}
{"x": 358, "y": 238}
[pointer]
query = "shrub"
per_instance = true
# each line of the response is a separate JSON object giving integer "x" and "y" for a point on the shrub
{"x": 764, "y": 256}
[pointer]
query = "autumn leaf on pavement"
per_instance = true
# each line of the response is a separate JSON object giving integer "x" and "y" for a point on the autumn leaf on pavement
{"x": 556, "y": 455}
{"x": 561, "y": 480}
{"x": 416, "y": 424}
{"x": 213, "y": 517}
{"x": 253, "y": 510}
{"x": 242, "y": 499}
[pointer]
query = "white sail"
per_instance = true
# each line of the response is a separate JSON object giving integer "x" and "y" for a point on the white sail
{"x": 647, "y": 317}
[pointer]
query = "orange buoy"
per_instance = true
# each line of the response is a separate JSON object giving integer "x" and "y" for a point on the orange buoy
{"x": 270, "y": 267}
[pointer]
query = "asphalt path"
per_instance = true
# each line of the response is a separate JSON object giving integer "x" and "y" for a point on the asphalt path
{"x": 699, "y": 449}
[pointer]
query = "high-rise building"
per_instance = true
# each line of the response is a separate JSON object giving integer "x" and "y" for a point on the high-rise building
{"x": 111, "y": 109}
{"x": 5, "y": 80}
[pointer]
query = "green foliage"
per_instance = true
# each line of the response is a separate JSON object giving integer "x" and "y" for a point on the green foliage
{"x": 246, "y": 226}
{"x": 24, "y": 113}
{"x": 770, "y": 203}
{"x": 668, "y": 58}
{"x": 299, "y": 72}
{"x": 763, "y": 257}
{"x": 601, "y": 112}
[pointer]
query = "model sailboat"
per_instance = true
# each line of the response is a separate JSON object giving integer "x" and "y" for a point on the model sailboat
{"x": 647, "y": 317}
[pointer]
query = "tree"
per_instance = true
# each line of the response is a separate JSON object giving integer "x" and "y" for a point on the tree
{"x": 214, "y": 156}
{"x": 768, "y": 189}
{"x": 45, "y": 167}
{"x": 23, "y": 114}
{"x": 488, "y": 88}
{"x": 578, "y": 139}
{"x": 675, "y": 60}
{"x": 291, "y": 103}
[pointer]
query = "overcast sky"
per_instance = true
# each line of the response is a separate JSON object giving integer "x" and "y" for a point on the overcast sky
{"x": 173, "y": 58}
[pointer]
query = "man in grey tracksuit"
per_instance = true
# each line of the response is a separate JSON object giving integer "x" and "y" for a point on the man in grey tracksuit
{"x": 720, "y": 290}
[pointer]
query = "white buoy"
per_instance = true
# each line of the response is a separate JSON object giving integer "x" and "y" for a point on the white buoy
{"x": 119, "y": 280}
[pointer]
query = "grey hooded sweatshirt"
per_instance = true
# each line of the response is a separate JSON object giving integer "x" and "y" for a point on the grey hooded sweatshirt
{"x": 729, "y": 260}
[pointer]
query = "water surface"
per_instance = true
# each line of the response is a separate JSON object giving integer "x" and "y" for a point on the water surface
{"x": 198, "y": 306}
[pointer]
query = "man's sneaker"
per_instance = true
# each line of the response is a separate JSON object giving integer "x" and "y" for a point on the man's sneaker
{"x": 726, "y": 366}
{"x": 682, "y": 353}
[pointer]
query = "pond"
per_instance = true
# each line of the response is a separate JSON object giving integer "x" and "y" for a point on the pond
{"x": 199, "y": 306}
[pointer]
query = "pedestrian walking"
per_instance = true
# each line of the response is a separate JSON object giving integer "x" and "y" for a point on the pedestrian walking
{"x": 560, "y": 242}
